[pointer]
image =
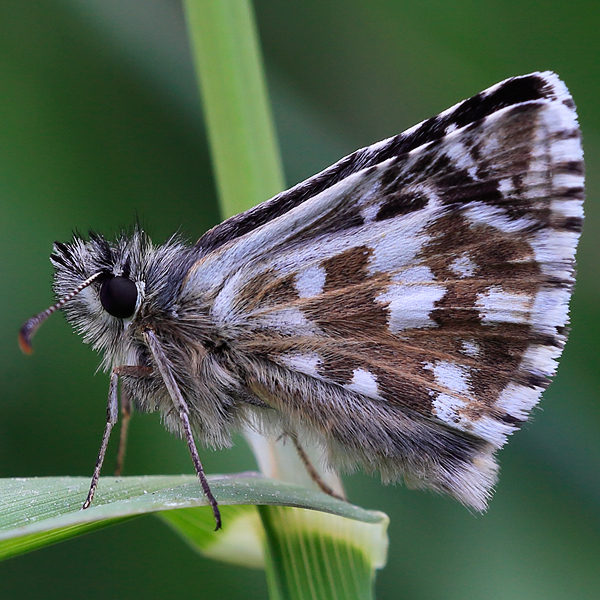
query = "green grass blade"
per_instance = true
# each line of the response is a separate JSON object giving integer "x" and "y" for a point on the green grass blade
{"x": 40, "y": 511}
{"x": 242, "y": 137}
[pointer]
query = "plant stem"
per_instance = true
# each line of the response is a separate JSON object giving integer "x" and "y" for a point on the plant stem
{"x": 244, "y": 147}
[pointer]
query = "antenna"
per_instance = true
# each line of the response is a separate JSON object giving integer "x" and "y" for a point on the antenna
{"x": 29, "y": 328}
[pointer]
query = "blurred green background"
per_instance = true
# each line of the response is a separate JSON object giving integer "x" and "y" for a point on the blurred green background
{"x": 100, "y": 121}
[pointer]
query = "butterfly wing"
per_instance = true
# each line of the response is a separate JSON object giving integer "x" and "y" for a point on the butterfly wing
{"x": 406, "y": 308}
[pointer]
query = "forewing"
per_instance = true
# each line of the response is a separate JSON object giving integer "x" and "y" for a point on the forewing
{"x": 511, "y": 92}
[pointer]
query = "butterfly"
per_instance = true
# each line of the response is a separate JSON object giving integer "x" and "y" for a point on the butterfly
{"x": 403, "y": 310}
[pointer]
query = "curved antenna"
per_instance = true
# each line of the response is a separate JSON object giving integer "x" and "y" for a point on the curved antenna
{"x": 29, "y": 328}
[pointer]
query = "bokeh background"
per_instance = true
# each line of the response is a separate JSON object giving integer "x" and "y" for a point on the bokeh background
{"x": 100, "y": 122}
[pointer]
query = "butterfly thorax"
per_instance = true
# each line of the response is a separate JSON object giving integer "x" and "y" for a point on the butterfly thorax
{"x": 197, "y": 349}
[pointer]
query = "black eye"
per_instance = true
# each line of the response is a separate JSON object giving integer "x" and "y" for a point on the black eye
{"x": 118, "y": 296}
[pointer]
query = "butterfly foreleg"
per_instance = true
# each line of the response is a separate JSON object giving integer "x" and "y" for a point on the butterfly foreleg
{"x": 126, "y": 409}
{"x": 181, "y": 407}
{"x": 112, "y": 412}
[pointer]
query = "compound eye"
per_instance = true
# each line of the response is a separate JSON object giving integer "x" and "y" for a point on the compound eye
{"x": 118, "y": 296}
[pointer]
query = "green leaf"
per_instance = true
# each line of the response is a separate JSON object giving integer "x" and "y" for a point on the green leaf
{"x": 41, "y": 511}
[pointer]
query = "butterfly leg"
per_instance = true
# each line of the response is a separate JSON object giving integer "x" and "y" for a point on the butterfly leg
{"x": 112, "y": 411}
{"x": 125, "y": 418}
{"x": 310, "y": 469}
{"x": 133, "y": 371}
{"x": 181, "y": 406}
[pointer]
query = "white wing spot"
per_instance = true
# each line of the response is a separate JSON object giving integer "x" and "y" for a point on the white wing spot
{"x": 310, "y": 282}
{"x": 471, "y": 348}
{"x": 506, "y": 186}
{"x": 363, "y": 382}
{"x": 420, "y": 274}
{"x": 369, "y": 212}
{"x": 410, "y": 305}
{"x": 517, "y": 400}
{"x": 499, "y": 306}
{"x": 452, "y": 376}
{"x": 288, "y": 321}
{"x": 447, "y": 408}
{"x": 463, "y": 266}
{"x": 305, "y": 363}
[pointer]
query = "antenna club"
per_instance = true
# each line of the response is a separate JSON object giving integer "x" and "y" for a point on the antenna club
{"x": 29, "y": 328}
{"x": 25, "y": 339}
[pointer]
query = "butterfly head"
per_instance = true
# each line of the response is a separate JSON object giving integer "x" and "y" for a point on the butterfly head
{"x": 102, "y": 309}
{"x": 100, "y": 286}
{"x": 103, "y": 287}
